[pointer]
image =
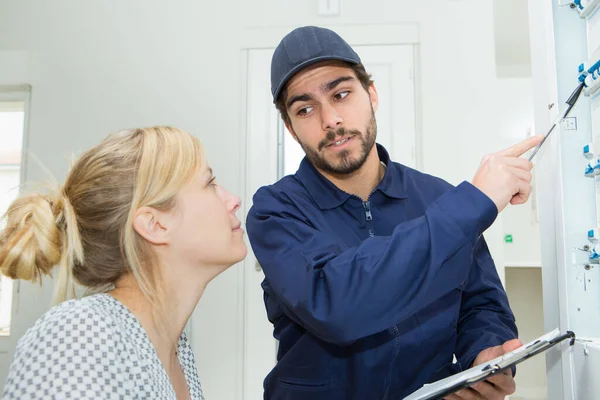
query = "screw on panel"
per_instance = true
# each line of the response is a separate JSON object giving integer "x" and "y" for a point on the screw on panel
{"x": 588, "y": 267}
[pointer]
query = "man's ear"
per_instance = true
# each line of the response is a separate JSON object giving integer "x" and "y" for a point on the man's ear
{"x": 374, "y": 96}
{"x": 148, "y": 223}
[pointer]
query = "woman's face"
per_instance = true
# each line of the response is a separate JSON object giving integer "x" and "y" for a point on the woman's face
{"x": 206, "y": 230}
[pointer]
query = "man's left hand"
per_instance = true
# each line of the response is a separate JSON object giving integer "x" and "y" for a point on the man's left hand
{"x": 498, "y": 386}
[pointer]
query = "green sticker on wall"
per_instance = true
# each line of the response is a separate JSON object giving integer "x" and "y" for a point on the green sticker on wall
{"x": 508, "y": 238}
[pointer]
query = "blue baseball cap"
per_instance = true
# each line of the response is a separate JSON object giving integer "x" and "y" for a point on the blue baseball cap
{"x": 303, "y": 47}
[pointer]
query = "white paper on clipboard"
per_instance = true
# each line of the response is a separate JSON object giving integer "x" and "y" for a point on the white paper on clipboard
{"x": 435, "y": 389}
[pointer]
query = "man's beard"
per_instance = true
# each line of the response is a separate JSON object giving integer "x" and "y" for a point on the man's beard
{"x": 345, "y": 164}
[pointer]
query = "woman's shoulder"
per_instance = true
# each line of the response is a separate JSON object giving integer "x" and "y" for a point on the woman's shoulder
{"x": 75, "y": 347}
{"x": 78, "y": 312}
{"x": 77, "y": 319}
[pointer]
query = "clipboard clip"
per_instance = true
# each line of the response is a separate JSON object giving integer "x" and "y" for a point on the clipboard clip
{"x": 567, "y": 335}
{"x": 494, "y": 368}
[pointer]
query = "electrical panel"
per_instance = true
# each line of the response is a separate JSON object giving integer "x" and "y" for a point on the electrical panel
{"x": 568, "y": 179}
{"x": 587, "y": 278}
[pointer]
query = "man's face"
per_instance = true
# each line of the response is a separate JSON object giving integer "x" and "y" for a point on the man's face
{"x": 332, "y": 117}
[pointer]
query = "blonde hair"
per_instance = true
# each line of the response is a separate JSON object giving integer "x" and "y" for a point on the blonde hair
{"x": 86, "y": 227}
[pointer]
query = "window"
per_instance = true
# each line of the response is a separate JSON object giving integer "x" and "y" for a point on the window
{"x": 13, "y": 104}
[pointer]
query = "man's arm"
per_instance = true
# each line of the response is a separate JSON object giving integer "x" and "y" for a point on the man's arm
{"x": 344, "y": 294}
{"x": 486, "y": 319}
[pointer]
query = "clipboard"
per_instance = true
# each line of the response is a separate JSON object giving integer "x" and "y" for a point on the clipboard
{"x": 467, "y": 378}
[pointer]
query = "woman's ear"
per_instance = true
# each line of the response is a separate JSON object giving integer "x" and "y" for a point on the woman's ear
{"x": 148, "y": 223}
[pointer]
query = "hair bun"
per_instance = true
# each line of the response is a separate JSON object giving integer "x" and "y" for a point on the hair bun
{"x": 31, "y": 243}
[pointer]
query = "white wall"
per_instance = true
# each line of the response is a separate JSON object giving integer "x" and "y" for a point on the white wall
{"x": 96, "y": 67}
{"x": 511, "y": 28}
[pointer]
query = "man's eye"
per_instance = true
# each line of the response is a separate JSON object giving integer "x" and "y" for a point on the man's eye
{"x": 304, "y": 110}
{"x": 342, "y": 95}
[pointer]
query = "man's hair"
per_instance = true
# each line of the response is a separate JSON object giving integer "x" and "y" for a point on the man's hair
{"x": 359, "y": 70}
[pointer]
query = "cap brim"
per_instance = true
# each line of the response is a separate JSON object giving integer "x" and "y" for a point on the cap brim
{"x": 305, "y": 64}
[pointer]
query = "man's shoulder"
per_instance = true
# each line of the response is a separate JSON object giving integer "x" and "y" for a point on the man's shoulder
{"x": 288, "y": 189}
{"x": 416, "y": 180}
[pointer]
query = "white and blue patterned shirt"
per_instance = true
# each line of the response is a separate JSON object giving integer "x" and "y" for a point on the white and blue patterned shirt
{"x": 93, "y": 348}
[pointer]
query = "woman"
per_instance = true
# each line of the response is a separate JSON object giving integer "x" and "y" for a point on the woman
{"x": 142, "y": 223}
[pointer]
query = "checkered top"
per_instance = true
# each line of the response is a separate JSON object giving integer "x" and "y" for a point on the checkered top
{"x": 93, "y": 348}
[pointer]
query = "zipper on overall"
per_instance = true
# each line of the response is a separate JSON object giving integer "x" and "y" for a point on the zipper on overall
{"x": 394, "y": 330}
{"x": 369, "y": 217}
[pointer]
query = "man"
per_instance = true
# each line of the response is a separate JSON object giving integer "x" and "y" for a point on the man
{"x": 376, "y": 274}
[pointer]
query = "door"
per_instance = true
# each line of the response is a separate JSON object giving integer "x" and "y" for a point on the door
{"x": 272, "y": 153}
